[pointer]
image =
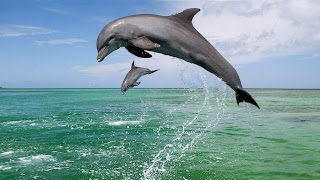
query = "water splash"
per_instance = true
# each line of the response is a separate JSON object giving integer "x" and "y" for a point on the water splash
{"x": 186, "y": 136}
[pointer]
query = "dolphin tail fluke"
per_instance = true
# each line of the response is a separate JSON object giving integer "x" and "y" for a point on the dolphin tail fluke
{"x": 244, "y": 96}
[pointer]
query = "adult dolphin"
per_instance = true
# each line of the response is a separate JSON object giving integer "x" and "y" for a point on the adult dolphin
{"x": 170, "y": 35}
{"x": 133, "y": 76}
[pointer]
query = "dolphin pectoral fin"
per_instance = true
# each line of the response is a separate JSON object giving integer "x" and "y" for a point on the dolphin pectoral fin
{"x": 138, "y": 52}
{"x": 144, "y": 43}
{"x": 136, "y": 83}
{"x": 244, "y": 96}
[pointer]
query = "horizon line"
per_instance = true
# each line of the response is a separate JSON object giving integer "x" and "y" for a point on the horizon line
{"x": 173, "y": 88}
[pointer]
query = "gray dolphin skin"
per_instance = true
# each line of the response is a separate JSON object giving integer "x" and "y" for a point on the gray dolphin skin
{"x": 170, "y": 35}
{"x": 133, "y": 76}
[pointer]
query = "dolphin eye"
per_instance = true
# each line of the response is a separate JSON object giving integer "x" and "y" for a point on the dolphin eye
{"x": 109, "y": 38}
{"x": 106, "y": 42}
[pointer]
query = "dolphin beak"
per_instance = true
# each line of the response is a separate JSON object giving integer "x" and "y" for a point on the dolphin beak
{"x": 102, "y": 53}
{"x": 123, "y": 92}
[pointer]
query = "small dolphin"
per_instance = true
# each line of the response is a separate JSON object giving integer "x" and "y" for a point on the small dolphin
{"x": 133, "y": 76}
{"x": 170, "y": 35}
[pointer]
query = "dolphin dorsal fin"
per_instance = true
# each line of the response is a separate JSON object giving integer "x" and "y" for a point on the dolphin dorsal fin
{"x": 186, "y": 15}
{"x": 132, "y": 65}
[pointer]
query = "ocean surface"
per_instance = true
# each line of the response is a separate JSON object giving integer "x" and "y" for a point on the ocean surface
{"x": 159, "y": 134}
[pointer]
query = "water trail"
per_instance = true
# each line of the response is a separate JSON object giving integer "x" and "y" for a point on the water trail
{"x": 212, "y": 123}
{"x": 174, "y": 151}
{"x": 192, "y": 88}
{"x": 178, "y": 108}
{"x": 188, "y": 123}
{"x": 145, "y": 109}
{"x": 187, "y": 73}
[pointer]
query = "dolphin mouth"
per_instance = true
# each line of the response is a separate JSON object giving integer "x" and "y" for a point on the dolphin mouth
{"x": 99, "y": 60}
{"x": 103, "y": 52}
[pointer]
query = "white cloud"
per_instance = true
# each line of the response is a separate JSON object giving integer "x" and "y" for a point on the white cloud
{"x": 173, "y": 72}
{"x": 101, "y": 20}
{"x": 69, "y": 41}
{"x": 14, "y": 30}
{"x": 57, "y": 11}
{"x": 243, "y": 31}
{"x": 248, "y": 31}
{"x": 159, "y": 61}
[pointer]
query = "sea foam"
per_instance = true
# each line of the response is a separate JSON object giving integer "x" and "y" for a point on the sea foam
{"x": 5, "y": 167}
{"x": 118, "y": 123}
{"x": 37, "y": 158}
{"x": 6, "y": 153}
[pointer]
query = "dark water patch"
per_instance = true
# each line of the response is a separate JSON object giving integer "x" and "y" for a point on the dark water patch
{"x": 277, "y": 140}
{"x": 276, "y": 175}
{"x": 305, "y": 119}
{"x": 280, "y": 174}
{"x": 310, "y": 162}
{"x": 191, "y": 173}
{"x": 218, "y": 133}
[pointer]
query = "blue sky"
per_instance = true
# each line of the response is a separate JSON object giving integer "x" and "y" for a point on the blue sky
{"x": 52, "y": 44}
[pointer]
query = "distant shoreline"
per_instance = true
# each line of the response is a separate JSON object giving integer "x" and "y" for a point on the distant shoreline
{"x": 171, "y": 88}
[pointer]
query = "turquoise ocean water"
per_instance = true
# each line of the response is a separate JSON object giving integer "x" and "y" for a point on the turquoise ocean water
{"x": 158, "y": 134}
